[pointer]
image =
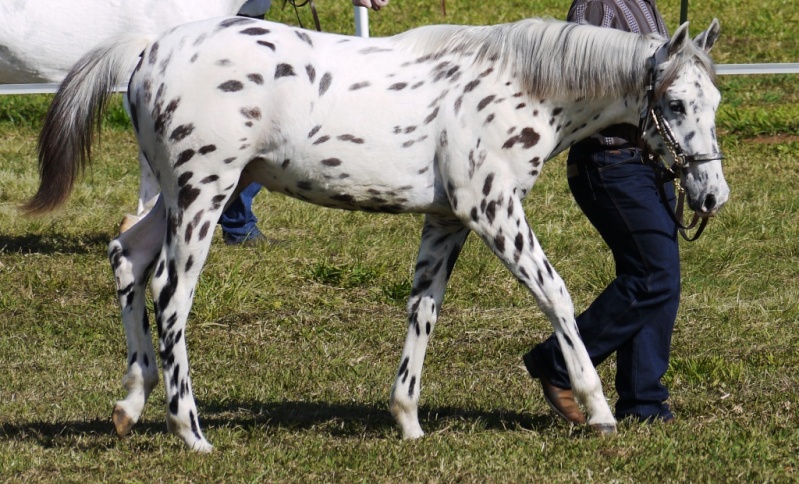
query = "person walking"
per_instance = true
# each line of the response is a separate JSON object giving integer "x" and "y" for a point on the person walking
{"x": 634, "y": 315}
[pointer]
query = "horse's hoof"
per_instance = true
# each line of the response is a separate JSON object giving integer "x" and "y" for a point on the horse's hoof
{"x": 603, "y": 429}
{"x": 202, "y": 447}
{"x": 122, "y": 423}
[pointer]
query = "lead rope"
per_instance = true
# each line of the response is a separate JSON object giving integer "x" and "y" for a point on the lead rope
{"x": 297, "y": 11}
{"x": 663, "y": 176}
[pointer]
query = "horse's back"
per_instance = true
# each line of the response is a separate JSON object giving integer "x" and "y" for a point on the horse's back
{"x": 331, "y": 119}
{"x": 41, "y": 40}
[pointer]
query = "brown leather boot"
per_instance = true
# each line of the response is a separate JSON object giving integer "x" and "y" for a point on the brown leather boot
{"x": 562, "y": 402}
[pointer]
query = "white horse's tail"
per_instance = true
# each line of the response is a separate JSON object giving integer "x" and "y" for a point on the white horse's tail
{"x": 66, "y": 138}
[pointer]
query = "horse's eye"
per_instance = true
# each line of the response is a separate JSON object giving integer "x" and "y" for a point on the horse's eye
{"x": 677, "y": 107}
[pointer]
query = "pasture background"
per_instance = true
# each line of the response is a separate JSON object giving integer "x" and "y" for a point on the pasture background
{"x": 294, "y": 345}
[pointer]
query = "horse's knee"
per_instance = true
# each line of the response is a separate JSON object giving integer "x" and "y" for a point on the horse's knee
{"x": 422, "y": 315}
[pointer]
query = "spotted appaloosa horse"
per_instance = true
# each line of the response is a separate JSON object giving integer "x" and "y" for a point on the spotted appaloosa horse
{"x": 453, "y": 122}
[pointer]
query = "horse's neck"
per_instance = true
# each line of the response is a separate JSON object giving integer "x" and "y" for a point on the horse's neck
{"x": 581, "y": 119}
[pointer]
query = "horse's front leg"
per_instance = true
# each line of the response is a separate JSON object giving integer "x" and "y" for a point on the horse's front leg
{"x": 132, "y": 257}
{"x": 442, "y": 240}
{"x": 498, "y": 218}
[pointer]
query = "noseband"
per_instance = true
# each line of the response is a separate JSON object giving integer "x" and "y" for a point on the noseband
{"x": 665, "y": 173}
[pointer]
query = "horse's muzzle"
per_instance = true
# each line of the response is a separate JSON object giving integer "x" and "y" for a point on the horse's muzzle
{"x": 709, "y": 206}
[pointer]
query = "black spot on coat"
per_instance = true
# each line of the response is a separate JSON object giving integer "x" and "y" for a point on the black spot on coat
{"x": 284, "y": 70}
{"x": 187, "y": 195}
{"x": 234, "y": 21}
{"x": 255, "y": 31}
{"x": 231, "y": 86}
{"x": 359, "y": 85}
{"x": 267, "y": 44}
{"x": 528, "y": 138}
{"x": 184, "y": 178}
{"x": 304, "y": 37}
{"x": 181, "y": 132}
{"x": 324, "y": 83}
{"x": 184, "y": 156}
{"x": 251, "y": 113}
{"x": 488, "y": 183}
{"x": 485, "y": 102}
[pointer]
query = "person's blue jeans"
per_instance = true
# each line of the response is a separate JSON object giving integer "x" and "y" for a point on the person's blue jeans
{"x": 238, "y": 221}
{"x": 634, "y": 316}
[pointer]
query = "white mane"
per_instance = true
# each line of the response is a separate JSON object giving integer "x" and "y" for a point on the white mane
{"x": 553, "y": 58}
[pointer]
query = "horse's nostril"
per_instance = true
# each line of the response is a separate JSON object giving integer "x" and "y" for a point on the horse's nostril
{"x": 710, "y": 202}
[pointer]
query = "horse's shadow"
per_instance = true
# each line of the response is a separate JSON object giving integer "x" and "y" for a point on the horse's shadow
{"x": 84, "y": 243}
{"x": 337, "y": 420}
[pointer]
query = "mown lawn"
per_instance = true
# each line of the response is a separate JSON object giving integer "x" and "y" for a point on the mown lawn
{"x": 294, "y": 345}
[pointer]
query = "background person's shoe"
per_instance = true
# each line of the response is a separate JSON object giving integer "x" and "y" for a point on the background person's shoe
{"x": 255, "y": 237}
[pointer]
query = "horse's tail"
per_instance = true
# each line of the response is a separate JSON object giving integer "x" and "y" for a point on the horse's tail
{"x": 65, "y": 141}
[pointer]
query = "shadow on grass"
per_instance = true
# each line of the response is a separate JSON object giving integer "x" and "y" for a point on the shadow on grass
{"x": 336, "y": 420}
{"x": 357, "y": 419}
{"x": 55, "y": 243}
{"x": 83, "y": 435}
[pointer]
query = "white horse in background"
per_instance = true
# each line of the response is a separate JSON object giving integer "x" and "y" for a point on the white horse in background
{"x": 40, "y": 41}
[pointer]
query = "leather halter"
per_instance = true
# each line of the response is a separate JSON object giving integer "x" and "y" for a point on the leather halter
{"x": 664, "y": 173}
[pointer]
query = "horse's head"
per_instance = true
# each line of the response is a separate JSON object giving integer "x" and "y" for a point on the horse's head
{"x": 679, "y": 121}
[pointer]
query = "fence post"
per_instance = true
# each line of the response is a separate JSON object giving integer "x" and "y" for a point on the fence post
{"x": 361, "y": 22}
{"x": 683, "y": 11}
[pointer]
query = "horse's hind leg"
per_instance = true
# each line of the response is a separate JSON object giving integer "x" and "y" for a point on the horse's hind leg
{"x": 132, "y": 256}
{"x": 501, "y": 223}
{"x": 190, "y": 226}
{"x": 442, "y": 240}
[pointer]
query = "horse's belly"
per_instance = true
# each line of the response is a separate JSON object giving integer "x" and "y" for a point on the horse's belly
{"x": 375, "y": 185}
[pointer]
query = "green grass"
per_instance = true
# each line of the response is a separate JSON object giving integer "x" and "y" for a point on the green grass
{"x": 294, "y": 345}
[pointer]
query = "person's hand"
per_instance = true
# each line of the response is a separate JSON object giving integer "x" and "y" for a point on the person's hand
{"x": 373, "y": 4}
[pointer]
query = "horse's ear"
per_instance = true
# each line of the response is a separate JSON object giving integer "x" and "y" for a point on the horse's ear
{"x": 707, "y": 39}
{"x": 678, "y": 40}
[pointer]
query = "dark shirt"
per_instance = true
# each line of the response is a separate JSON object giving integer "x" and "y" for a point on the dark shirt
{"x": 637, "y": 16}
